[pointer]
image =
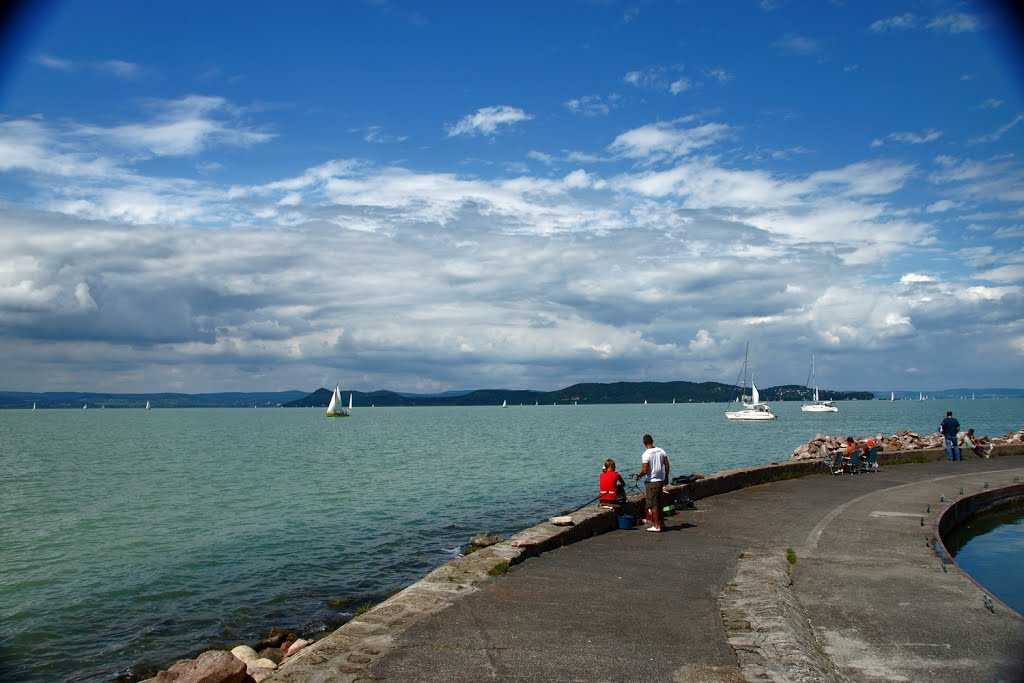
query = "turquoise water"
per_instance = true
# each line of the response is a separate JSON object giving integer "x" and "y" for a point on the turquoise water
{"x": 132, "y": 538}
{"x": 990, "y": 548}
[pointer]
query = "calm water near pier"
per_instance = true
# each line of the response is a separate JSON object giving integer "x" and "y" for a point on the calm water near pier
{"x": 135, "y": 537}
{"x": 990, "y": 548}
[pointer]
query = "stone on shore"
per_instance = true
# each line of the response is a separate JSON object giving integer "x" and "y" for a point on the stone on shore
{"x": 484, "y": 540}
{"x": 245, "y": 653}
{"x": 274, "y": 654}
{"x": 213, "y": 666}
{"x": 298, "y": 645}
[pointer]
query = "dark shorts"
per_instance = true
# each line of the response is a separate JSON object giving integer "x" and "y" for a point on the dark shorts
{"x": 653, "y": 490}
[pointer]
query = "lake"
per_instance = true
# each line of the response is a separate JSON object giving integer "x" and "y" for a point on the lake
{"x": 132, "y": 538}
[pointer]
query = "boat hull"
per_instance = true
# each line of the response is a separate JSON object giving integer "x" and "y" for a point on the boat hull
{"x": 819, "y": 409}
{"x": 751, "y": 415}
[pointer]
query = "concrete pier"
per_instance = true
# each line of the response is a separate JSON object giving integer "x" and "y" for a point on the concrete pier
{"x": 814, "y": 578}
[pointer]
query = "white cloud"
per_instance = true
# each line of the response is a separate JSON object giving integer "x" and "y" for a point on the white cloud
{"x": 999, "y": 132}
{"x": 916, "y": 278}
{"x": 667, "y": 78}
{"x": 666, "y": 140}
{"x": 910, "y": 138}
{"x": 488, "y": 120}
{"x": 955, "y": 22}
{"x": 897, "y": 23}
{"x": 702, "y": 343}
{"x": 56, "y": 63}
{"x": 593, "y": 105}
{"x": 180, "y": 127}
{"x": 797, "y": 44}
{"x": 121, "y": 69}
{"x": 941, "y": 206}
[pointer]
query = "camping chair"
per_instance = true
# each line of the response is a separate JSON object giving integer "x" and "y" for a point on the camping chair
{"x": 854, "y": 464}
{"x": 836, "y": 463}
{"x": 870, "y": 463}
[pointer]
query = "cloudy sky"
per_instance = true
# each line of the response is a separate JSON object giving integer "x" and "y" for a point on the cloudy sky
{"x": 391, "y": 194}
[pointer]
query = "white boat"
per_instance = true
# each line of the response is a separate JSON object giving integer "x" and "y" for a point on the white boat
{"x": 818, "y": 406}
{"x": 33, "y": 405}
{"x": 336, "y": 408}
{"x": 147, "y": 406}
{"x": 85, "y": 406}
{"x": 892, "y": 396}
{"x": 920, "y": 396}
{"x": 645, "y": 401}
{"x": 754, "y": 409}
{"x": 504, "y": 404}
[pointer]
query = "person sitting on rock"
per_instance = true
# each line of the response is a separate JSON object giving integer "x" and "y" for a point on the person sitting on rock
{"x": 973, "y": 443}
{"x": 613, "y": 487}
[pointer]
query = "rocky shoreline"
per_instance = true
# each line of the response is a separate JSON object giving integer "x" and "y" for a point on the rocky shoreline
{"x": 823, "y": 447}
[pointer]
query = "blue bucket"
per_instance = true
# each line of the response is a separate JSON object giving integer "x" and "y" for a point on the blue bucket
{"x": 626, "y": 521}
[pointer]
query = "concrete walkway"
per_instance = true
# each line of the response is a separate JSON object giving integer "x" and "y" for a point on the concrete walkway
{"x": 714, "y": 598}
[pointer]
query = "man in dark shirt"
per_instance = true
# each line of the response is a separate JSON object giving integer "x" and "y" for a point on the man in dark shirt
{"x": 950, "y": 427}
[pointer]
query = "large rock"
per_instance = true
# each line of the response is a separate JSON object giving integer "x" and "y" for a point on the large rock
{"x": 213, "y": 666}
{"x": 245, "y": 653}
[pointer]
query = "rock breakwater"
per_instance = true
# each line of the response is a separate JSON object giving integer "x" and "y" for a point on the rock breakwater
{"x": 823, "y": 447}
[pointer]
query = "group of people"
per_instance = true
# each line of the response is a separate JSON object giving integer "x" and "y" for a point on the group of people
{"x": 950, "y": 428}
{"x": 654, "y": 467}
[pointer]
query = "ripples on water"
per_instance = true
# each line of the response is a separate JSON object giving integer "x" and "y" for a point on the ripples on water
{"x": 135, "y": 536}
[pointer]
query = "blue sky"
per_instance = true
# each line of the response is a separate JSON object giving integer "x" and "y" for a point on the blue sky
{"x": 426, "y": 196}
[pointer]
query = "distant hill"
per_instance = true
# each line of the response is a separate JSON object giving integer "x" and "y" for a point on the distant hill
{"x": 76, "y": 399}
{"x": 590, "y": 393}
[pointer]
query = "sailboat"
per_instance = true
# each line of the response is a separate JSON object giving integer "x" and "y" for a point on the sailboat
{"x": 892, "y": 396}
{"x": 336, "y": 407}
{"x": 754, "y": 410}
{"x": 504, "y": 404}
{"x": 147, "y": 405}
{"x": 920, "y": 396}
{"x": 33, "y": 405}
{"x": 818, "y": 406}
{"x": 85, "y": 406}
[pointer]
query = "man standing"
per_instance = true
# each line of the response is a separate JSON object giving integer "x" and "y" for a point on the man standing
{"x": 655, "y": 466}
{"x": 950, "y": 427}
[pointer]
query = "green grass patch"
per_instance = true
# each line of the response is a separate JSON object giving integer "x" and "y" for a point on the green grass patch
{"x": 499, "y": 569}
{"x": 791, "y": 556}
{"x": 910, "y": 459}
{"x": 362, "y": 609}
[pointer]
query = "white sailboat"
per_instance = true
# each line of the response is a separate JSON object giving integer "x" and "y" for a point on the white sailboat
{"x": 920, "y": 396}
{"x": 754, "y": 410}
{"x": 504, "y": 404}
{"x": 892, "y": 396}
{"x": 33, "y": 405}
{"x": 818, "y": 406}
{"x": 336, "y": 407}
{"x": 147, "y": 406}
{"x": 85, "y": 406}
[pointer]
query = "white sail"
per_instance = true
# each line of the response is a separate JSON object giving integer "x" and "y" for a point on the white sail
{"x": 337, "y": 407}
{"x": 504, "y": 404}
{"x": 147, "y": 405}
{"x": 753, "y": 393}
{"x": 892, "y": 396}
{"x": 33, "y": 405}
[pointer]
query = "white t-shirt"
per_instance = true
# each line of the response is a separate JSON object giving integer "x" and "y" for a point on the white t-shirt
{"x": 655, "y": 459}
